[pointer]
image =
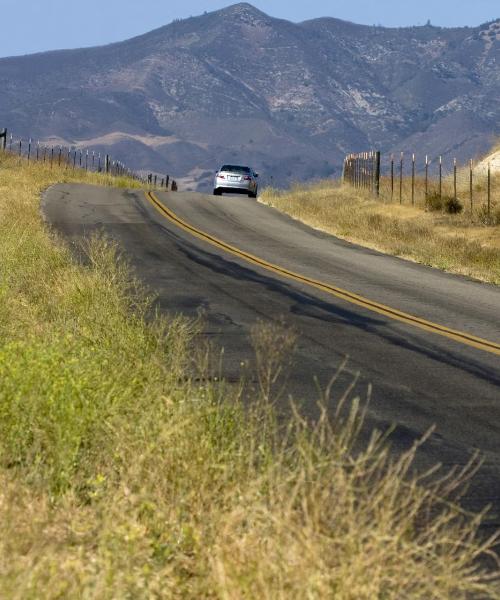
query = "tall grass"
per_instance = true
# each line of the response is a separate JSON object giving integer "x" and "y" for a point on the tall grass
{"x": 452, "y": 242}
{"x": 469, "y": 211}
{"x": 122, "y": 477}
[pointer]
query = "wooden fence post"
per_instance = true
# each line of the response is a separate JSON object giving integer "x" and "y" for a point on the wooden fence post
{"x": 471, "y": 185}
{"x": 489, "y": 189}
{"x": 3, "y": 138}
{"x": 454, "y": 178}
{"x": 413, "y": 179}
{"x": 440, "y": 177}
{"x": 401, "y": 179}
{"x": 426, "y": 178}
{"x": 377, "y": 174}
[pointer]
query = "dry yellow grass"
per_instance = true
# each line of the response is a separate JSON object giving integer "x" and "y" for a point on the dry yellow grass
{"x": 456, "y": 243}
{"x": 121, "y": 478}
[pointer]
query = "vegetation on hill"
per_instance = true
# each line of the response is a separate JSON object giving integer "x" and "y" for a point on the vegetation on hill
{"x": 193, "y": 95}
{"x": 123, "y": 477}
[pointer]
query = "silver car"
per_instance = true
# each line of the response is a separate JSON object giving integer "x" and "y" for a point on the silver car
{"x": 237, "y": 180}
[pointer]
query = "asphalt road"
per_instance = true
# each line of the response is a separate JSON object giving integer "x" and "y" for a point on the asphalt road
{"x": 420, "y": 378}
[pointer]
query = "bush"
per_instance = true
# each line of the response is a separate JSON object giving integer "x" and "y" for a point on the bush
{"x": 453, "y": 206}
{"x": 434, "y": 202}
{"x": 449, "y": 204}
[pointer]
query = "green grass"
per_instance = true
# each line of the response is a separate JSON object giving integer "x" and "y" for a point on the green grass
{"x": 121, "y": 477}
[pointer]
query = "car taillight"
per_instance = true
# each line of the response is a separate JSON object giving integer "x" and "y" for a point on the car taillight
{"x": 247, "y": 178}
{"x": 221, "y": 176}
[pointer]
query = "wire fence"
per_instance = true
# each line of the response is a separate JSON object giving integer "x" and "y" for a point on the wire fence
{"x": 431, "y": 184}
{"x": 71, "y": 157}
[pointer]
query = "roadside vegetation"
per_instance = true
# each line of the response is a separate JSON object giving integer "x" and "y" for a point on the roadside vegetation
{"x": 439, "y": 231}
{"x": 122, "y": 476}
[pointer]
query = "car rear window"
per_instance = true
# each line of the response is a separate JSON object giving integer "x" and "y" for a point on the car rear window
{"x": 235, "y": 169}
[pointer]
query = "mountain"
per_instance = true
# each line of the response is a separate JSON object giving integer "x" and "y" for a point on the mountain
{"x": 237, "y": 85}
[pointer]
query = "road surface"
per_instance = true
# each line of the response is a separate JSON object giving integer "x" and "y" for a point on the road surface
{"x": 427, "y": 341}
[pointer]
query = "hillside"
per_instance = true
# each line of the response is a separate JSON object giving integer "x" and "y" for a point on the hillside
{"x": 492, "y": 159}
{"x": 238, "y": 85}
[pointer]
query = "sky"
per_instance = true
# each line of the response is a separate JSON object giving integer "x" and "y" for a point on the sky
{"x": 35, "y": 25}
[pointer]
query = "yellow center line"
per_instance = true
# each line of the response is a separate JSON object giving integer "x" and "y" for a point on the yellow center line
{"x": 387, "y": 311}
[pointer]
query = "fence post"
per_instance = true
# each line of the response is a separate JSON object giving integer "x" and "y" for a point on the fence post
{"x": 489, "y": 189}
{"x": 392, "y": 177}
{"x": 471, "y": 185}
{"x": 455, "y": 178}
{"x": 377, "y": 173}
{"x": 401, "y": 178}
{"x": 3, "y": 137}
{"x": 29, "y": 149}
{"x": 369, "y": 167}
{"x": 426, "y": 177}
{"x": 367, "y": 170}
{"x": 413, "y": 179}
{"x": 107, "y": 163}
{"x": 440, "y": 177}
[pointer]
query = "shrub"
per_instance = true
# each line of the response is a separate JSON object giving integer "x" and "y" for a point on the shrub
{"x": 453, "y": 206}
{"x": 449, "y": 204}
{"x": 434, "y": 202}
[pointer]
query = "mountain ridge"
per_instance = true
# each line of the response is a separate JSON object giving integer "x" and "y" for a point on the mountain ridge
{"x": 238, "y": 85}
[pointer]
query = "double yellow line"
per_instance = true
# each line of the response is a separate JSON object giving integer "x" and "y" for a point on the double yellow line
{"x": 376, "y": 307}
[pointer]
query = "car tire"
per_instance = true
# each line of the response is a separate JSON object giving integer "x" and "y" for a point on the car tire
{"x": 217, "y": 193}
{"x": 252, "y": 195}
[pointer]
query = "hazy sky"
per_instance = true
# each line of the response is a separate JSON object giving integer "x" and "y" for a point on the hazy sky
{"x": 37, "y": 25}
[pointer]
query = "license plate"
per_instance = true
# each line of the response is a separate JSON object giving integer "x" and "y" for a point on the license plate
{"x": 232, "y": 178}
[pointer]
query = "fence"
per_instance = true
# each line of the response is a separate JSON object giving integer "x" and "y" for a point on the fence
{"x": 432, "y": 184}
{"x": 77, "y": 158}
{"x": 363, "y": 171}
